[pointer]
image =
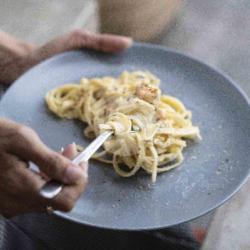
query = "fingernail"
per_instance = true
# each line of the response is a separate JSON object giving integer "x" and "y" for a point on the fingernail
{"x": 73, "y": 173}
{"x": 62, "y": 149}
{"x": 74, "y": 146}
{"x": 129, "y": 41}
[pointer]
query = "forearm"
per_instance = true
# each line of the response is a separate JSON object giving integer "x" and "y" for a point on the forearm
{"x": 12, "y": 51}
{"x": 10, "y": 44}
{"x": 17, "y": 56}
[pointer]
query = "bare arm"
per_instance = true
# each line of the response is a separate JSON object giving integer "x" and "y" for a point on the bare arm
{"x": 17, "y": 56}
{"x": 19, "y": 187}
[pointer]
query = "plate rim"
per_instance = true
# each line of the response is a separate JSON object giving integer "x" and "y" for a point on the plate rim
{"x": 228, "y": 79}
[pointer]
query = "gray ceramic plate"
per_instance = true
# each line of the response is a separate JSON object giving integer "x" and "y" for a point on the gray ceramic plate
{"x": 212, "y": 171}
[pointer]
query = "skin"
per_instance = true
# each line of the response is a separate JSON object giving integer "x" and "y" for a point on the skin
{"x": 19, "y": 144}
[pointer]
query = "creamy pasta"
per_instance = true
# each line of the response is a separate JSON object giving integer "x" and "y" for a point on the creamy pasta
{"x": 149, "y": 128}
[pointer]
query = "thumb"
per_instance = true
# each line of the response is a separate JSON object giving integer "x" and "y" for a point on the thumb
{"x": 57, "y": 166}
{"x": 70, "y": 152}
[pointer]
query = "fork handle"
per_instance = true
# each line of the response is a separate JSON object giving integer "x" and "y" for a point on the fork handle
{"x": 52, "y": 188}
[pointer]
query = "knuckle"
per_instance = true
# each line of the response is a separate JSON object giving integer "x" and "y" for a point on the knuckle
{"x": 24, "y": 131}
{"x": 55, "y": 160}
{"x": 54, "y": 163}
{"x": 12, "y": 182}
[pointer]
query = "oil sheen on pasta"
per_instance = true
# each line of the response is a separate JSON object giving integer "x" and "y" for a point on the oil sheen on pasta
{"x": 150, "y": 128}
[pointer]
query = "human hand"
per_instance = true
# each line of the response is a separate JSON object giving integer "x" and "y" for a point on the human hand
{"x": 19, "y": 186}
{"x": 17, "y": 56}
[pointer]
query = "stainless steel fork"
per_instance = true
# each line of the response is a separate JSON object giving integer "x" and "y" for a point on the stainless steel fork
{"x": 53, "y": 187}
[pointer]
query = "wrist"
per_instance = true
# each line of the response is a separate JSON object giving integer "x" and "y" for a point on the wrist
{"x": 10, "y": 44}
{"x": 13, "y": 55}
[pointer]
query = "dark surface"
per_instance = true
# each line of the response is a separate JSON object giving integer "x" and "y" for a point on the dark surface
{"x": 48, "y": 232}
{"x": 213, "y": 169}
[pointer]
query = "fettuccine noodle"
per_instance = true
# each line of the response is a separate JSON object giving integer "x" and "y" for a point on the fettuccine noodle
{"x": 149, "y": 128}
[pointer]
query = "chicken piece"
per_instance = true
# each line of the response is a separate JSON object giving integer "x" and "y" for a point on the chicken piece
{"x": 146, "y": 92}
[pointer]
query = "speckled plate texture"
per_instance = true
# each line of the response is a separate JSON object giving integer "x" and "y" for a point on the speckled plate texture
{"x": 213, "y": 169}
